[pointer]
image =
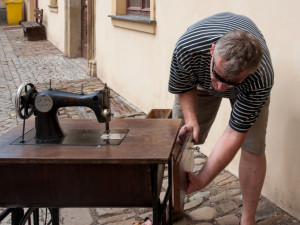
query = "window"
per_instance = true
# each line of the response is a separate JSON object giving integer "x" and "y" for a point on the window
{"x": 53, "y": 6}
{"x": 140, "y": 7}
{"x": 136, "y": 15}
{"x": 53, "y": 2}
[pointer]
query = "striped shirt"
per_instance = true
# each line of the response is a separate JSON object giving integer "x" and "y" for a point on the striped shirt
{"x": 191, "y": 67}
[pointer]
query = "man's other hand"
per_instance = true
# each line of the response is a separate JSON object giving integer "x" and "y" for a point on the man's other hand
{"x": 194, "y": 183}
{"x": 184, "y": 130}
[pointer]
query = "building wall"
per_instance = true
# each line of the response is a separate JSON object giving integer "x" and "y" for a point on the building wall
{"x": 136, "y": 65}
{"x": 2, "y": 4}
{"x": 54, "y": 22}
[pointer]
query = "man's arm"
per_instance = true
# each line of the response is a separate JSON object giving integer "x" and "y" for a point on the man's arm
{"x": 188, "y": 102}
{"x": 223, "y": 152}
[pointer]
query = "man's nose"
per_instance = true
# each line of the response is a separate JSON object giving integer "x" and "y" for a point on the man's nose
{"x": 221, "y": 86}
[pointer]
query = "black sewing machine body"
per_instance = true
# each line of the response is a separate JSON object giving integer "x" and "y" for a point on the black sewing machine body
{"x": 45, "y": 104}
{"x": 49, "y": 101}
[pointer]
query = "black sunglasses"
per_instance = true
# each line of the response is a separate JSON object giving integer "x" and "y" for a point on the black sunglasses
{"x": 219, "y": 78}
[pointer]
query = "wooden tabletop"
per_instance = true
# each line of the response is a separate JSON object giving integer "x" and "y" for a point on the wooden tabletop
{"x": 148, "y": 141}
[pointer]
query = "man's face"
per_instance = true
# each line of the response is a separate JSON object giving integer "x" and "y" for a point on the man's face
{"x": 219, "y": 82}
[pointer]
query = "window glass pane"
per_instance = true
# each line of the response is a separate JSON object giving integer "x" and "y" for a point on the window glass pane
{"x": 147, "y": 3}
{"x": 135, "y": 3}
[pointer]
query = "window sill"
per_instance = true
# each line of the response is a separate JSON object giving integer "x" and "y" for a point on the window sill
{"x": 53, "y": 8}
{"x": 134, "y": 22}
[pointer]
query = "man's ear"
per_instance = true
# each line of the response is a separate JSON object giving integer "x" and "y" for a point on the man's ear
{"x": 212, "y": 49}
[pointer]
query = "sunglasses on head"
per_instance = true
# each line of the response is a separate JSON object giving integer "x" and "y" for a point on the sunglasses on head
{"x": 219, "y": 78}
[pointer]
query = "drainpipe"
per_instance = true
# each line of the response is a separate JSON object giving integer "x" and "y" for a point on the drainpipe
{"x": 67, "y": 30}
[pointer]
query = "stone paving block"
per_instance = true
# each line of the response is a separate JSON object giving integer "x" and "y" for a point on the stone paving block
{"x": 230, "y": 185}
{"x": 75, "y": 216}
{"x": 234, "y": 192}
{"x": 183, "y": 221}
{"x": 124, "y": 222}
{"x": 228, "y": 206}
{"x": 108, "y": 211}
{"x": 204, "y": 213}
{"x": 222, "y": 177}
{"x": 218, "y": 197}
{"x": 228, "y": 220}
{"x": 196, "y": 195}
{"x": 117, "y": 218}
{"x": 276, "y": 220}
{"x": 193, "y": 204}
{"x": 204, "y": 194}
{"x": 264, "y": 212}
{"x": 227, "y": 181}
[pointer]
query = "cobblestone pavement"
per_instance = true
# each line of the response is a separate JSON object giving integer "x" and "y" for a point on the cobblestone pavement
{"x": 38, "y": 62}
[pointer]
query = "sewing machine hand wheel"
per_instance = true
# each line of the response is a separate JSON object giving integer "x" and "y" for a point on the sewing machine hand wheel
{"x": 23, "y": 102}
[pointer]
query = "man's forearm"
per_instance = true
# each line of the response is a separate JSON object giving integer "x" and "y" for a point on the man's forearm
{"x": 188, "y": 102}
{"x": 222, "y": 154}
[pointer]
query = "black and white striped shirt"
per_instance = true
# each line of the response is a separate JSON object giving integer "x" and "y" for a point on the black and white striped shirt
{"x": 191, "y": 67}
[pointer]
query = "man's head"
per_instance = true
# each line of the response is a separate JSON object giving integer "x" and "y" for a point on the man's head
{"x": 235, "y": 55}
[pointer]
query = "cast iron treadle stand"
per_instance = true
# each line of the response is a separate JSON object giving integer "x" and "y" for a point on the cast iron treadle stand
{"x": 160, "y": 210}
{"x": 19, "y": 218}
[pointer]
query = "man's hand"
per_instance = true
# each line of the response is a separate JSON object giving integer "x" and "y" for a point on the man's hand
{"x": 194, "y": 183}
{"x": 184, "y": 130}
{"x": 188, "y": 102}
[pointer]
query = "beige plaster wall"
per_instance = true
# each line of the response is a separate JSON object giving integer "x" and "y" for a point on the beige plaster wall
{"x": 55, "y": 23}
{"x": 2, "y": 4}
{"x": 136, "y": 65}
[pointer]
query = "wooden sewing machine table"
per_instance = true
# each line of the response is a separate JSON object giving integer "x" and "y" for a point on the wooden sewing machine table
{"x": 60, "y": 176}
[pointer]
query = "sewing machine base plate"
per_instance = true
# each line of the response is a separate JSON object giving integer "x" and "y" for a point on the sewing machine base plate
{"x": 79, "y": 137}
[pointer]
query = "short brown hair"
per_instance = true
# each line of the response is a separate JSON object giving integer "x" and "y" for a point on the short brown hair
{"x": 241, "y": 51}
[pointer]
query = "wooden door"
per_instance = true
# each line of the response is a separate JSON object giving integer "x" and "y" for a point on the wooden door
{"x": 84, "y": 28}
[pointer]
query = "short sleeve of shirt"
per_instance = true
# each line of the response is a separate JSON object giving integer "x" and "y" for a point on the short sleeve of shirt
{"x": 251, "y": 97}
{"x": 246, "y": 109}
{"x": 182, "y": 74}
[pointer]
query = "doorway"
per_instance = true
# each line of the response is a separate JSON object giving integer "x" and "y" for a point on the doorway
{"x": 80, "y": 29}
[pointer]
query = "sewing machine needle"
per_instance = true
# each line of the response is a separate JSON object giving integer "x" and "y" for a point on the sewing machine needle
{"x": 107, "y": 127}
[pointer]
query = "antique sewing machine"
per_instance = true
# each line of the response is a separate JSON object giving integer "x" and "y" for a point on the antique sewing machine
{"x": 59, "y": 163}
{"x": 45, "y": 104}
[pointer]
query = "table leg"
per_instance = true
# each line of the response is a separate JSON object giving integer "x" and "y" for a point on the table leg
{"x": 55, "y": 216}
{"x": 170, "y": 175}
{"x": 16, "y": 216}
{"x": 36, "y": 216}
{"x": 155, "y": 199}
